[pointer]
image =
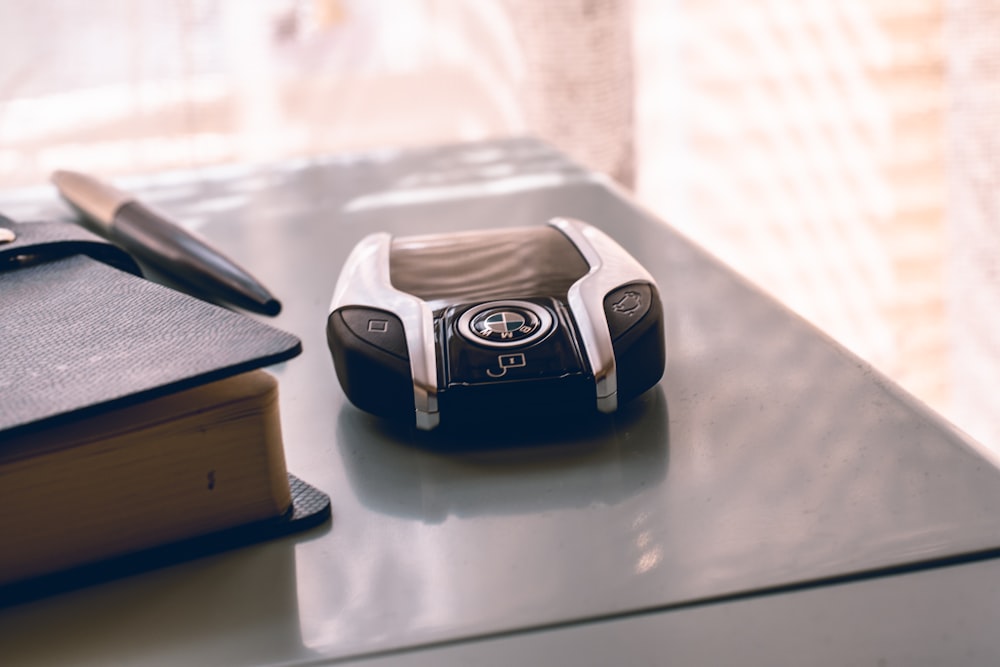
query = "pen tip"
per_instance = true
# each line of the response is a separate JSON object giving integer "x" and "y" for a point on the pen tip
{"x": 271, "y": 307}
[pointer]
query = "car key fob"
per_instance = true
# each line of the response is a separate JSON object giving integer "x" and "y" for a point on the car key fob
{"x": 494, "y": 323}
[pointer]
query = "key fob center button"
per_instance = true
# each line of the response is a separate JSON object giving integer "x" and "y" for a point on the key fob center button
{"x": 505, "y": 323}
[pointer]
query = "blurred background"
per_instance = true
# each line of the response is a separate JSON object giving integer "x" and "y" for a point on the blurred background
{"x": 841, "y": 154}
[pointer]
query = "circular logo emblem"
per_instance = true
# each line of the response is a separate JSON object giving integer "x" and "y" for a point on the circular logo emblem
{"x": 505, "y": 323}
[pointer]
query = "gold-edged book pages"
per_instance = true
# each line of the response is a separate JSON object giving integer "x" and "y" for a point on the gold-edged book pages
{"x": 178, "y": 466}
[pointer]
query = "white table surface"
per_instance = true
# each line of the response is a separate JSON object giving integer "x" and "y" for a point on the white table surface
{"x": 739, "y": 510}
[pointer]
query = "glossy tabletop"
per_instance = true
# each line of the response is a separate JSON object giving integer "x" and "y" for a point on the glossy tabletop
{"x": 768, "y": 460}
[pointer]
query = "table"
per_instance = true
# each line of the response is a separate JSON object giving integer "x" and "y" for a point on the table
{"x": 774, "y": 500}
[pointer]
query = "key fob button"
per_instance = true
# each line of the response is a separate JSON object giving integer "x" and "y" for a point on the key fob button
{"x": 626, "y": 306}
{"x": 377, "y": 327}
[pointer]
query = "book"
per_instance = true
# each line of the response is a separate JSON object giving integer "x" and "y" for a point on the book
{"x": 136, "y": 425}
{"x": 175, "y": 467}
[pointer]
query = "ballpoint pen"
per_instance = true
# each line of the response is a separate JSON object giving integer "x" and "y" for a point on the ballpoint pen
{"x": 164, "y": 246}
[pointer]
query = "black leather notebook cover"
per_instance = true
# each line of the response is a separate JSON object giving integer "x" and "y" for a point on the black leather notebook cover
{"x": 78, "y": 334}
{"x": 82, "y": 332}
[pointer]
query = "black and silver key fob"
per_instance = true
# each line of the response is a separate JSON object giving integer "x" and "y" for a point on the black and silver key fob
{"x": 494, "y": 323}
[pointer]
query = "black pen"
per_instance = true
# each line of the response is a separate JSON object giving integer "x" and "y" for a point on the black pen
{"x": 164, "y": 246}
